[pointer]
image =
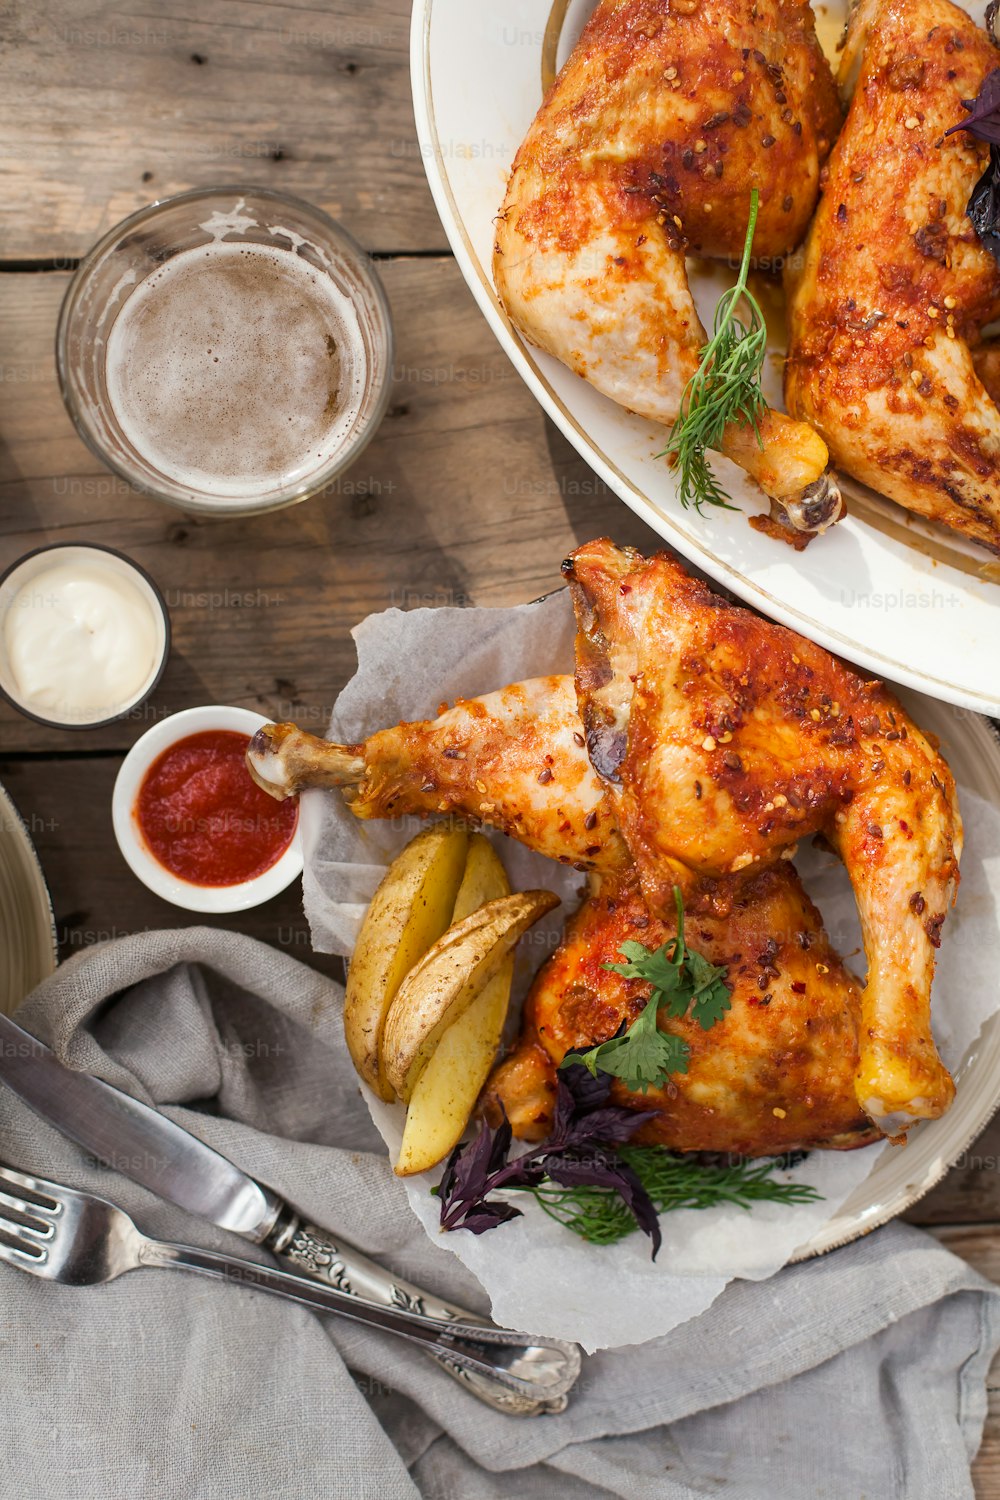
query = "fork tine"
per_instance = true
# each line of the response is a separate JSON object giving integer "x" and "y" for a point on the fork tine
{"x": 38, "y": 1185}
{"x": 36, "y": 1229}
{"x": 26, "y": 1241}
{"x": 25, "y": 1260}
{"x": 21, "y": 1254}
{"x": 30, "y": 1210}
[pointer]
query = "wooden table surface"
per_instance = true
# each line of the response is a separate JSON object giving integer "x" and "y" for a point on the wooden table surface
{"x": 467, "y": 495}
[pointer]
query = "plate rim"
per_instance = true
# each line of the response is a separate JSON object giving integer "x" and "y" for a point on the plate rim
{"x": 694, "y": 551}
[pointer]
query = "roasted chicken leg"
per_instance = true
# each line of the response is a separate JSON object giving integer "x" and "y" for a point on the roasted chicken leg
{"x": 886, "y": 307}
{"x": 775, "y": 1074}
{"x": 647, "y": 147}
{"x": 701, "y": 743}
{"x": 726, "y": 738}
{"x": 514, "y": 759}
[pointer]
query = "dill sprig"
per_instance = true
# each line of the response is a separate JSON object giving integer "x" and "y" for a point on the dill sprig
{"x": 725, "y": 388}
{"x": 600, "y": 1215}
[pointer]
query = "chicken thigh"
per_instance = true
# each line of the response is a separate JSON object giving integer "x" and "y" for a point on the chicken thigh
{"x": 886, "y": 307}
{"x": 775, "y": 1074}
{"x": 646, "y": 148}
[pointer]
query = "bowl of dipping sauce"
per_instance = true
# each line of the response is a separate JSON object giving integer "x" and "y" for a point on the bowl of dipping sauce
{"x": 192, "y": 823}
{"x": 84, "y": 635}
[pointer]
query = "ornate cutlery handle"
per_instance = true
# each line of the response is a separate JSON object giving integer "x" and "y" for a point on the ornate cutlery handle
{"x": 315, "y": 1253}
{"x": 513, "y": 1371}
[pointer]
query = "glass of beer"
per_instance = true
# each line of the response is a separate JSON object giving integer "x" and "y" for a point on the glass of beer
{"x": 228, "y": 350}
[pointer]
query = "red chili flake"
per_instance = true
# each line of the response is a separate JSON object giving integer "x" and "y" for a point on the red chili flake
{"x": 798, "y": 987}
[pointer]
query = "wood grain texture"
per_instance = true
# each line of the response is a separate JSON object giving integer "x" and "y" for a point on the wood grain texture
{"x": 106, "y": 106}
{"x": 467, "y": 495}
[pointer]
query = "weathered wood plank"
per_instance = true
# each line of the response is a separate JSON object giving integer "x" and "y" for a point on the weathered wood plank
{"x": 970, "y": 1193}
{"x": 105, "y": 107}
{"x": 95, "y": 897}
{"x": 467, "y": 495}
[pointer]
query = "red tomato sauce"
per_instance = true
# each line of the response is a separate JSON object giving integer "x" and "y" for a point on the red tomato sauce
{"x": 204, "y": 817}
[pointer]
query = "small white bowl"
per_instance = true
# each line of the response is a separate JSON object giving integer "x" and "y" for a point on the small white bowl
{"x": 31, "y": 566}
{"x": 141, "y": 860}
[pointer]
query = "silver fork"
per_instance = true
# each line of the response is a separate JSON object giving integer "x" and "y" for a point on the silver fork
{"x": 81, "y": 1240}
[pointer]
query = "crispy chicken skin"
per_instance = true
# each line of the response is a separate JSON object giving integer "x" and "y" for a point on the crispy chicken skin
{"x": 894, "y": 286}
{"x": 647, "y": 147}
{"x": 514, "y": 760}
{"x": 725, "y": 738}
{"x": 698, "y": 744}
{"x": 775, "y": 1074}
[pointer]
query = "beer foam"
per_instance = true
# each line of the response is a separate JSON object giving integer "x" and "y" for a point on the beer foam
{"x": 235, "y": 369}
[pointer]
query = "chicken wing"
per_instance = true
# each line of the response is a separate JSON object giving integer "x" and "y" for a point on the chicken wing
{"x": 886, "y": 308}
{"x": 646, "y": 147}
{"x": 775, "y": 1074}
{"x": 725, "y": 738}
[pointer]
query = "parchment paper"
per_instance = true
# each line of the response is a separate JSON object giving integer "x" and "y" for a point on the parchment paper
{"x": 538, "y": 1274}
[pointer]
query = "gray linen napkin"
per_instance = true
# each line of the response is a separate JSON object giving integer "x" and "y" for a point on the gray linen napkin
{"x": 858, "y": 1375}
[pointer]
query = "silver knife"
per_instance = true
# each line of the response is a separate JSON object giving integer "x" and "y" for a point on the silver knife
{"x": 162, "y": 1156}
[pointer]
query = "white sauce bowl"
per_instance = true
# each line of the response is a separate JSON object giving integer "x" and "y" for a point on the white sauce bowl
{"x": 15, "y": 585}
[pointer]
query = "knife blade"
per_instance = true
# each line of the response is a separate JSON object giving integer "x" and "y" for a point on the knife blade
{"x": 134, "y": 1139}
{"x": 158, "y": 1154}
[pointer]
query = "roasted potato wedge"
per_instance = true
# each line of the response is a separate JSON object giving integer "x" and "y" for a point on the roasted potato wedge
{"x": 484, "y": 878}
{"x": 446, "y": 1091}
{"x": 447, "y": 1088}
{"x": 408, "y": 913}
{"x": 448, "y": 978}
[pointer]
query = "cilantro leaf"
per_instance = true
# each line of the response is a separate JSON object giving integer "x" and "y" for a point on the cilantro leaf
{"x": 711, "y": 995}
{"x": 682, "y": 982}
{"x": 641, "y": 1056}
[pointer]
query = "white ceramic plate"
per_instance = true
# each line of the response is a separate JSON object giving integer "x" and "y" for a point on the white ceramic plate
{"x": 27, "y": 928}
{"x": 892, "y": 593}
{"x": 901, "y": 1177}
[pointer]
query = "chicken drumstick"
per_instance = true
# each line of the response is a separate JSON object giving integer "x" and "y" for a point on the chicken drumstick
{"x": 883, "y": 347}
{"x": 646, "y": 148}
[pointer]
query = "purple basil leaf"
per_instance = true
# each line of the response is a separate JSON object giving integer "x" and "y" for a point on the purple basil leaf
{"x": 586, "y": 1092}
{"x": 983, "y": 119}
{"x": 487, "y": 1215}
{"x": 611, "y": 1127}
{"x": 526, "y": 1171}
{"x": 983, "y": 207}
{"x": 466, "y": 1178}
{"x": 604, "y": 1171}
